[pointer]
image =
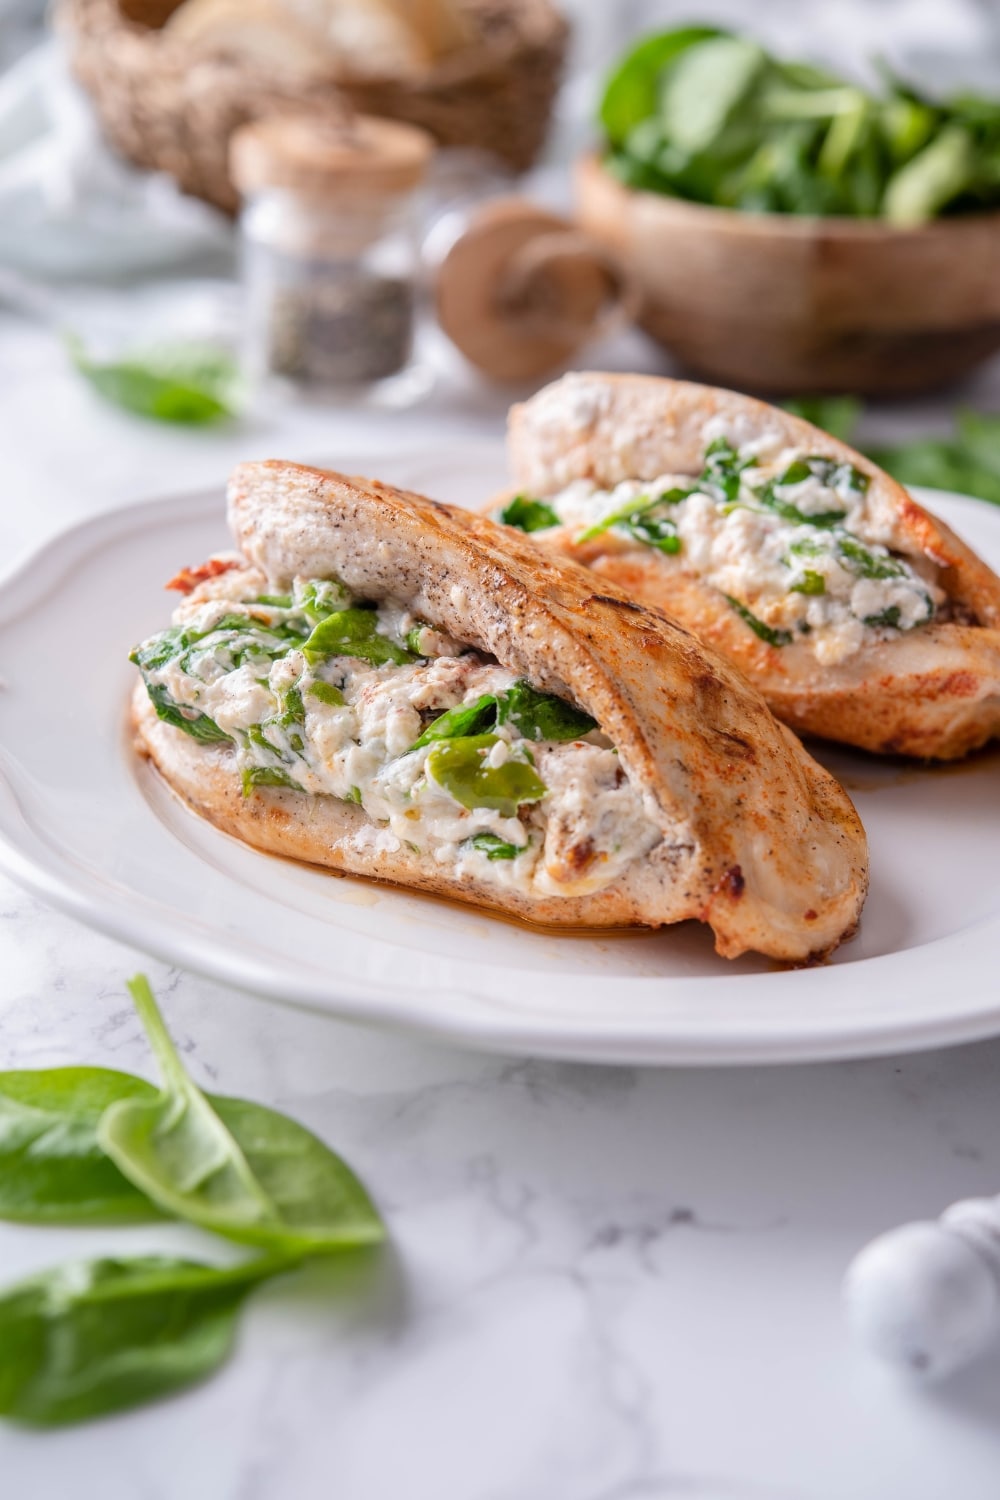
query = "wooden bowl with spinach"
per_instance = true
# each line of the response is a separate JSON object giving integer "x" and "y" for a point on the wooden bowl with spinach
{"x": 793, "y": 232}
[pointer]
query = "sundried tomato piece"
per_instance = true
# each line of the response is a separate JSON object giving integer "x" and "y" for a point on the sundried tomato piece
{"x": 189, "y": 578}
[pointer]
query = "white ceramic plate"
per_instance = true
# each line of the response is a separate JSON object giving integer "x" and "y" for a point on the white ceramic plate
{"x": 95, "y": 832}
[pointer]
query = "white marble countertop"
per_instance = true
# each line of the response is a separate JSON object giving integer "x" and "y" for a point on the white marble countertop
{"x": 603, "y": 1283}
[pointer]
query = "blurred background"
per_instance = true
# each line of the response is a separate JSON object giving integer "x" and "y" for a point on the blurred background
{"x": 120, "y": 261}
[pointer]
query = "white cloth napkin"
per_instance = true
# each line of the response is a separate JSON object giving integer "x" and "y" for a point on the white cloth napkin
{"x": 72, "y": 210}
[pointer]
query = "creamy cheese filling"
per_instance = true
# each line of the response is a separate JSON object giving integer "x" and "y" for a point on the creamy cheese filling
{"x": 788, "y": 542}
{"x": 446, "y": 751}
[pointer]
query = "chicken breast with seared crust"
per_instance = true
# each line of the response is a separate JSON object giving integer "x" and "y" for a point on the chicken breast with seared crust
{"x": 398, "y": 689}
{"x": 857, "y": 614}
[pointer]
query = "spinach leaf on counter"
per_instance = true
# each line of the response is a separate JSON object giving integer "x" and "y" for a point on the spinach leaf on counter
{"x": 968, "y": 462}
{"x": 193, "y": 385}
{"x": 90, "y": 1145}
{"x": 837, "y": 415}
{"x": 238, "y": 1169}
{"x": 93, "y": 1337}
{"x": 52, "y": 1170}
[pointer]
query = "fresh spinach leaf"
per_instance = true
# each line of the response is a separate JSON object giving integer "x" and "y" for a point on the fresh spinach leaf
{"x": 542, "y": 716}
{"x": 235, "y": 1168}
{"x": 645, "y": 518}
{"x": 461, "y": 721}
{"x": 714, "y": 119}
{"x": 809, "y": 546}
{"x": 887, "y": 617}
{"x": 353, "y": 632}
{"x": 293, "y": 710}
{"x": 837, "y": 415}
{"x": 968, "y": 462}
{"x": 198, "y": 725}
{"x": 861, "y": 560}
{"x": 942, "y": 171}
{"x": 325, "y": 692}
{"x": 978, "y": 437}
{"x": 321, "y": 597}
{"x": 285, "y": 724}
{"x": 494, "y": 847}
{"x": 94, "y": 1337}
{"x": 527, "y": 514}
{"x": 414, "y": 636}
{"x": 459, "y": 766}
{"x": 254, "y": 776}
{"x": 188, "y": 384}
{"x": 941, "y": 464}
{"x": 704, "y": 89}
{"x": 149, "y": 655}
{"x": 773, "y": 637}
{"x": 769, "y": 495}
{"x": 907, "y": 124}
{"x": 835, "y": 473}
{"x": 632, "y": 91}
{"x": 724, "y": 469}
{"x": 236, "y": 638}
{"x": 535, "y": 716}
{"x": 52, "y": 1170}
{"x": 810, "y": 583}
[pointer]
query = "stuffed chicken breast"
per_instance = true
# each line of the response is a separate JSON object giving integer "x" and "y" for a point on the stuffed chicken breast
{"x": 858, "y": 615}
{"x": 394, "y": 688}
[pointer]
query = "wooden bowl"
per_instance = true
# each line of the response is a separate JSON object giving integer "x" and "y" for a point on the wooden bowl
{"x": 168, "y": 110}
{"x": 780, "y": 303}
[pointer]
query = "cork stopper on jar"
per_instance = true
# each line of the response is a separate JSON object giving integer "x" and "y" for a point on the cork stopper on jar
{"x": 521, "y": 290}
{"x": 326, "y": 156}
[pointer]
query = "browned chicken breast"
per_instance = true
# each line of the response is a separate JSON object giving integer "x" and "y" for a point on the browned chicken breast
{"x": 858, "y": 615}
{"x": 402, "y": 690}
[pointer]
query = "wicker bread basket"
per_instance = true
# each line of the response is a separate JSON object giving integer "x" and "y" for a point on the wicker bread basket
{"x": 165, "y": 110}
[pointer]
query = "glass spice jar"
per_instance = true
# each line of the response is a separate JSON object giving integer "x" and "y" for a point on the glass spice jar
{"x": 330, "y": 252}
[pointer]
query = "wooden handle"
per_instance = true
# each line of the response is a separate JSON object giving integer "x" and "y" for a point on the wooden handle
{"x": 520, "y": 290}
{"x": 561, "y": 284}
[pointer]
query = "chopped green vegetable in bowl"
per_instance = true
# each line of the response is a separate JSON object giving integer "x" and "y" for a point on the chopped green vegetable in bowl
{"x": 709, "y": 116}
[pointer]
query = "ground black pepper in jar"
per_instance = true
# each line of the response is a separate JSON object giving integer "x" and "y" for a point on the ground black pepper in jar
{"x": 329, "y": 247}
